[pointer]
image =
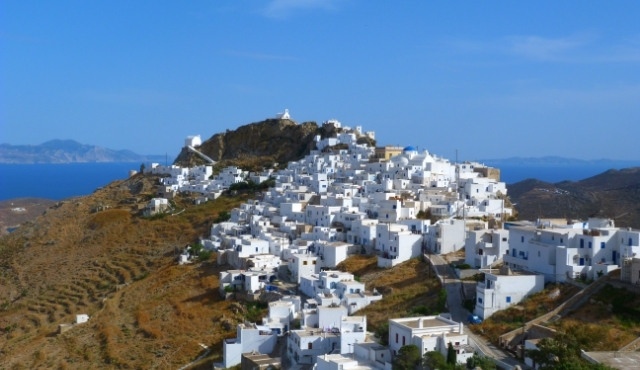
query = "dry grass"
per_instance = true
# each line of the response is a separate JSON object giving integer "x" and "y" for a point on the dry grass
{"x": 515, "y": 316}
{"x": 408, "y": 289}
{"x": 608, "y": 322}
{"x": 117, "y": 267}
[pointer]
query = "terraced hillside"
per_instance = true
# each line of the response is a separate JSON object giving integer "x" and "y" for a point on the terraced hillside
{"x": 96, "y": 255}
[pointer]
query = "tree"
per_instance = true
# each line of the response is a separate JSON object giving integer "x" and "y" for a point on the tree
{"x": 408, "y": 358}
{"x": 451, "y": 355}
{"x": 434, "y": 360}
{"x": 222, "y": 217}
{"x": 561, "y": 352}
{"x": 382, "y": 332}
{"x": 485, "y": 363}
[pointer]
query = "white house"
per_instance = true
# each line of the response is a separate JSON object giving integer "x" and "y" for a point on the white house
{"x": 339, "y": 361}
{"x": 331, "y": 254}
{"x": 396, "y": 244}
{"x": 430, "y": 333}
{"x": 503, "y": 288}
{"x": 281, "y": 314}
{"x": 302, "y": 265}
{"x": 485, "y": 246}
{"x": 249, "y": 337}
{"x": 560, "y": 252}
{"x": 353, "y": 329}
{"x": 305, "y": 345}
{"x": 446, "y": 236}
{"x": 157, "y": 205}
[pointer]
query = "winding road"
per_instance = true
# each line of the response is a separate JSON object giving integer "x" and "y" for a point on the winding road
{"x": 453, "y": 286}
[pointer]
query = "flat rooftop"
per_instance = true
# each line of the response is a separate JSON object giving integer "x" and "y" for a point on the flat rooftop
{"x": 508, "y": 272}
{"x": 317, "y": 332}
{"x": 424, "y": 322}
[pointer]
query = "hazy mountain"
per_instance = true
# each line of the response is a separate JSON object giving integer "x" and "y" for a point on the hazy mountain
{"x": 611, "y": 194}
{"x": 68, "y": 151}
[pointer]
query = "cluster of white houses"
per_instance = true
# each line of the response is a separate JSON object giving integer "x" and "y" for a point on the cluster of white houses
{"x": 358, "y": 199}
{"x": 535, "y": 253}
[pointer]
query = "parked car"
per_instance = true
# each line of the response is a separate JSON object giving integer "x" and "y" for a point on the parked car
{"x": 474, "y": 319}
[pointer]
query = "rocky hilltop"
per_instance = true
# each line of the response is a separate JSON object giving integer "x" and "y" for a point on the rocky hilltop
{"x": 261, "y": 144}
{"x": 66, "y": 151}
{"x": 611, "y": 194}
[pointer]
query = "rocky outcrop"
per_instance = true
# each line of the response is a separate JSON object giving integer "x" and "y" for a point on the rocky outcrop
{"x": 260, "y": 144}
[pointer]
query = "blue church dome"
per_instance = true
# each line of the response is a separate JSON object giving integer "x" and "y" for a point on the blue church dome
{"x": 409, "y": 149}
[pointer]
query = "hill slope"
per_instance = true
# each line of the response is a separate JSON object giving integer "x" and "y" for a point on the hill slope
{"x": 118, "y": 268}
{"x": 613, "y": 194}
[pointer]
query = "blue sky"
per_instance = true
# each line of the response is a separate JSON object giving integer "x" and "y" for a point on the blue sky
{"x": 486, "y": 78}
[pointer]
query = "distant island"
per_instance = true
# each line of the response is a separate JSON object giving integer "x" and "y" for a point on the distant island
{"x": 557, "y": 161}
{"x": 69, "y": 151}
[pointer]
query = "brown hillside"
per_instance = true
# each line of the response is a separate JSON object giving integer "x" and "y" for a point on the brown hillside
{"x": 117, "y": 267}
{"x": 612, "y": 194}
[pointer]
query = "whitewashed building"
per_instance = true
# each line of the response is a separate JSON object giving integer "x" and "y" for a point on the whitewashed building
{"x": 503, "y": 288}
{"x": 485, "y": 246}
{"x": 430, "y": 333}
{"x": 249, "y": 337}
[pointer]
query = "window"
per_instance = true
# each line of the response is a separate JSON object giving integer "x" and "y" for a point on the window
{"x": 480, "y": 300}
{"x": 304, "y": 262}
{"x": 590, "y": 244}
{"x": 508, "y": 299}
{"x": 522, "y": 239}
{"x": 602, "y": 244}
{"x": 310, "y": 345}
{"x": 581, "y": 243}
{"x": 396, "y": 337}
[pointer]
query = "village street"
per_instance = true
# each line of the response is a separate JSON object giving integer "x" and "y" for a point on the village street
{"x": 455, "y": 299}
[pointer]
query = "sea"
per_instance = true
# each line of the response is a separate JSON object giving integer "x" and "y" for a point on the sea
{"x": 62, "y": 181}
{"x": 59, "y": 181}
